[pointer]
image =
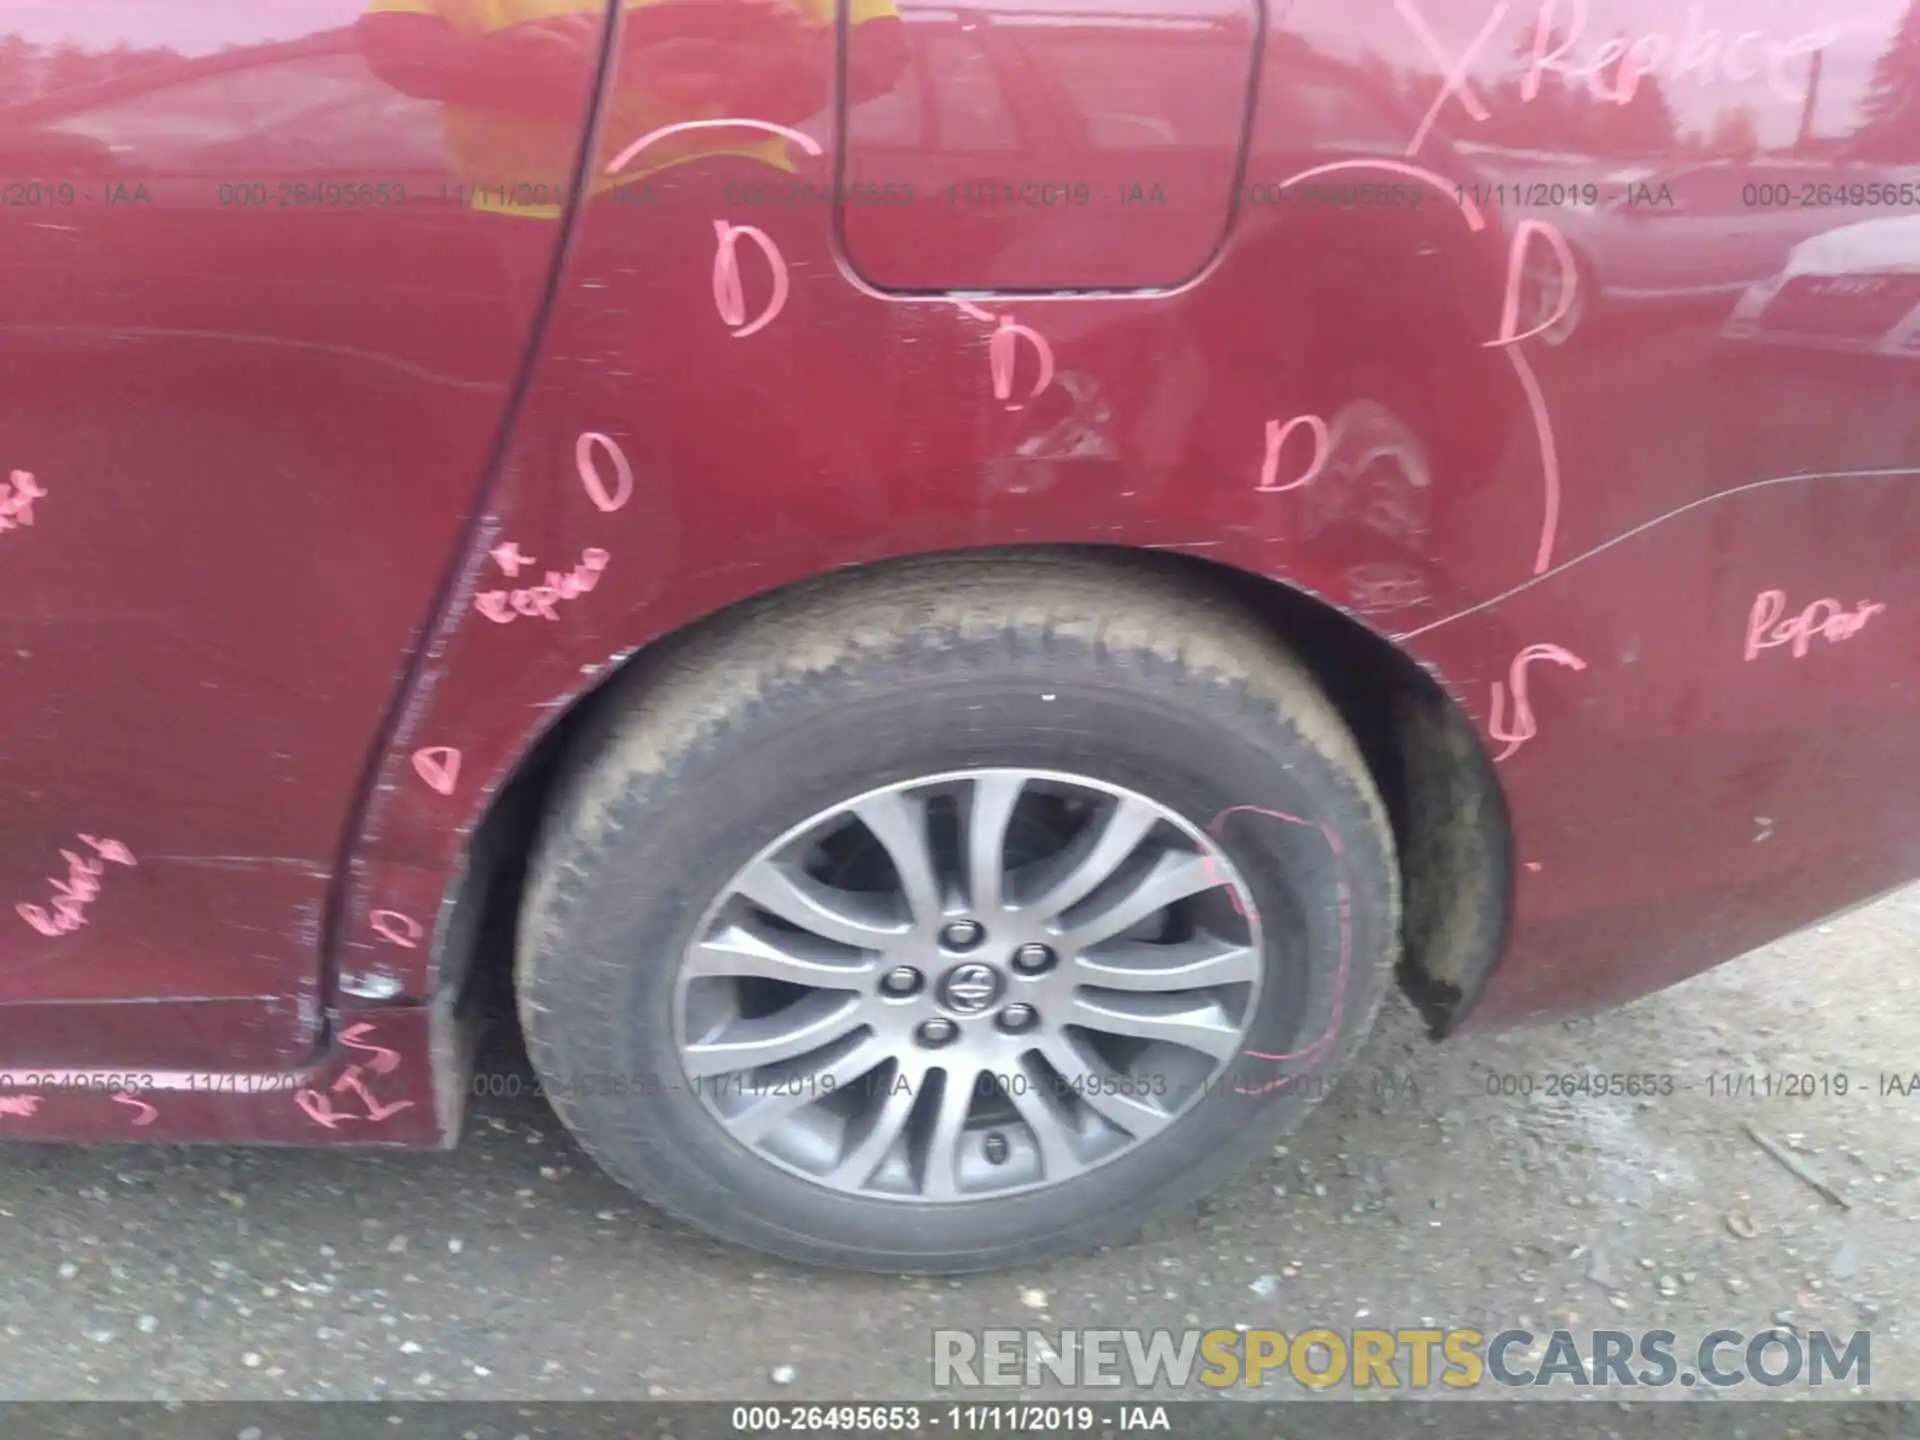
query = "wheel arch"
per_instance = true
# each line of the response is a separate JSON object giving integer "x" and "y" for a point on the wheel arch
{"x": 1448, "y": 813}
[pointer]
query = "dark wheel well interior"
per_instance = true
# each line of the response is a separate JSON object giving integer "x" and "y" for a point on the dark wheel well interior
{"x": 1449, "y": 819}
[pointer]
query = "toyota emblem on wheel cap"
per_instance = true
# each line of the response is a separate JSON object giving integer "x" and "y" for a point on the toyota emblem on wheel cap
{"x": 970, "y": 988}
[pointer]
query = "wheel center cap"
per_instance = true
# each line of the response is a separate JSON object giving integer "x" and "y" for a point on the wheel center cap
{"x": 970, "y": 988}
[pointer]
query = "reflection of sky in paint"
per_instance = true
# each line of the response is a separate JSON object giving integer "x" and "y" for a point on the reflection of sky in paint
{"x": 190, "y": 28}
{"x": 1350, "y": 30}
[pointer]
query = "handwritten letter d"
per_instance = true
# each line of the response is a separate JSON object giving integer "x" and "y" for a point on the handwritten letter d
{"x": 727, "y": 298}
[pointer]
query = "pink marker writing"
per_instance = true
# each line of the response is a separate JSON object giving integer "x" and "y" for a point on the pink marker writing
{"x": 1001, "y": 350}
{"x": 508, "y": 557}
{"x": 1276, "y": 441}
{"x": 396, "y": 929}
{"x": 381, "y": 1060}
{"x": 1613, "y": 70}
{"x": 727, "y": 296}
{"x": 589, "y": 471}
{"x": 1565, "y": 293}
{"x": 439, "y": 766}
{"x": 1454, "y": 84}
{"x": 1837, "y": 624}
{"x": 1524, "y": 726}
{"x": 24, "y": 1106}
{"x": 730, "y": 122}
{"x": 319, "y": 1108}
{"x": 147, "y": 1113}
{"x": 82, "y": 884}
{"x": 17, "y": 495}
{"x": 503, "y": 606}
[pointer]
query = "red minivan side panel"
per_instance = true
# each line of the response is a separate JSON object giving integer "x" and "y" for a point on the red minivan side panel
{"x": 256, "y": 345}
{"x": 1445, "y": 374}
{"x": 1492, "y": 358}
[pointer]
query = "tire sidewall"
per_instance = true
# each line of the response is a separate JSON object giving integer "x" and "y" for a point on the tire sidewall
{"x": 606, "y": 944}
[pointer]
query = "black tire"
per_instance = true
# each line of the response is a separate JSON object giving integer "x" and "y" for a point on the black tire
{"x": 1063, "y": 661}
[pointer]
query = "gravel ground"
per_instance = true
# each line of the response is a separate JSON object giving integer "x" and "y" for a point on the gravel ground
{"x": 510, "y": 1268}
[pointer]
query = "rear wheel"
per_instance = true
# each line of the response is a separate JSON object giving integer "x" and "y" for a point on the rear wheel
{"x": 956, "y": 916}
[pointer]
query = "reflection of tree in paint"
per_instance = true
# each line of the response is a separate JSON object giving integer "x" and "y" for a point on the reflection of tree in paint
{"x": 32, "y": 72}
{"x": 1644, "y": 125}
{"x": 1736, "y": 133}
{"x": 1555, "y": 115}
{"x": 1890, "y": 113}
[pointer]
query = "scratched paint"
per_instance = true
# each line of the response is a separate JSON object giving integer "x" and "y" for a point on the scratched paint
{"x": 78, "y": 889}
{"x": 1766, "y": 630}
{"x": 1524, "y": 726}
{"x": 17, "y": 494}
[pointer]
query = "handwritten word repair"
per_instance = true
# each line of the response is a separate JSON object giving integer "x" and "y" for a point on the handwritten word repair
{"x": 1766, "y": 629}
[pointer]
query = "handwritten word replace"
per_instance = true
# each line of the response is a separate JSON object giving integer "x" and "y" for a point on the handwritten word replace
{"x": 1612, "y": 70}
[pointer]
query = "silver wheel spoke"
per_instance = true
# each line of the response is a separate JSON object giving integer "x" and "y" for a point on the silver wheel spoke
{"x": 855, "y": 1167}
{"x": 1125, "y": 828}
{"x": 899, "y": 822}
{"x": 1104, "y": 1092}
{"x": 801, "y": 1028}
{"x": 796, "y": 1091}
{"x": 1193, "y": 1021}
{"x": 1173, "y": 876}
{"x": 803, "y": 901}
{"x": 1047, "y": 1123}
{"x": 994, "y": 797}
{"x": 1189, "y": 965}
{"x": 739, "y": 952}
{"x": 940, "y": 1179}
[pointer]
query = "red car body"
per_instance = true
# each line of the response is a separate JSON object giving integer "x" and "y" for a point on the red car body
{"x": 375, "y": 385}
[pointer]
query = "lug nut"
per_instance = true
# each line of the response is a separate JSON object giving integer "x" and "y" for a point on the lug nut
{"x": 936, "y": 1031}
{"x": 901, "y": 980}
{"x": 1032, "y": 959}
{"x": 1016, "y": 1018}
{"x": 996, "y": 1148}
{"x": 963, "y": 935}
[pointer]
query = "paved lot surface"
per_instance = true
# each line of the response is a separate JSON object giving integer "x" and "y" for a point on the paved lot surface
{"x": 510, "y": 1268}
